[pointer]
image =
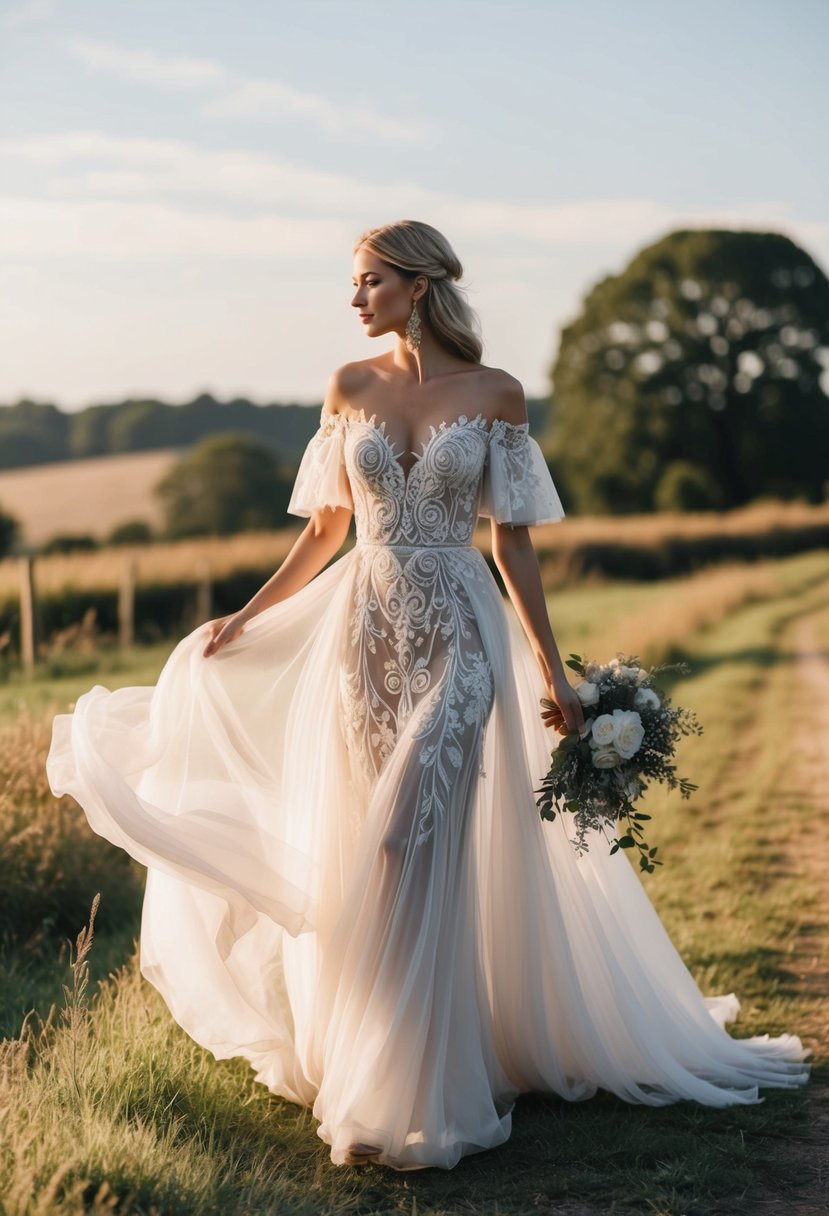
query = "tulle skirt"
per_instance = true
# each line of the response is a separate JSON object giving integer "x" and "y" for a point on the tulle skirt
{"x": 407, "y": 994}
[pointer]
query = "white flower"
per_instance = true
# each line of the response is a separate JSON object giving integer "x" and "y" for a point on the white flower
{"x": 628, "y": 732}
{"x": 633, "y": 788}
{"x": 606, "y": 757}
{"x": 646, "y": 698}
{"x": 628, "y": 673}
{"x": 604, "y": 729}
{"x": 587, "y": 692}
{"x": 642, "y": 675}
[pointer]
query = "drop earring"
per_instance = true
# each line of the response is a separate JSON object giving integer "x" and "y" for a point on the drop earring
{"x": 413, "y": 331}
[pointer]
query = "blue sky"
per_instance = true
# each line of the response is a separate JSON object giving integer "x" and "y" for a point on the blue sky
{"x": 181, "y": 183}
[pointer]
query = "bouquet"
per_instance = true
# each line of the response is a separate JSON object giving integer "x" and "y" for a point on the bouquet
{"x": 631, "y": 735}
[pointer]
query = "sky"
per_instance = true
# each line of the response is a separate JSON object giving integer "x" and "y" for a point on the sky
{"x": 181, "y": 182}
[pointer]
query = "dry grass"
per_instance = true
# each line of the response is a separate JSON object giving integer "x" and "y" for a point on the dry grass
{"x": 661, "y": 629}
{"x": 110, "y": 1107}
{"x": 87, "y": 497}
{"x": 753, "y": 520}
{"x": 183, "y": 561}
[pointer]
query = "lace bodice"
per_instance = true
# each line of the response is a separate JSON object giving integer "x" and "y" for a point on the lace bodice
{"x": 465, "y": 468}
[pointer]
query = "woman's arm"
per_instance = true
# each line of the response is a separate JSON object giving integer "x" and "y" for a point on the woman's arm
{"x": 319, "y": 540}
{"x": 515, "y": 557}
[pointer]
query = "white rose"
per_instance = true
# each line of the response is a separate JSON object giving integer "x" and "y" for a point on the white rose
{"x": 604, "y": 730}
{"x": 629, "y": 732}
{"x": 606, "y": 757}
{"x": 629, "y": 673}
{"x": 646, "y": 698}
{"x": 587, "y": 692}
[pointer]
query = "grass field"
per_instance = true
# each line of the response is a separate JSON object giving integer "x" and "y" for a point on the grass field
{"x": 81, "y": 496}
{"x": 114, "y": 496}
{"x": 105, "y": 1105}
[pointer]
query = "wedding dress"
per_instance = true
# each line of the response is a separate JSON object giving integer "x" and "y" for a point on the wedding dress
{"x": 349, "y": 883}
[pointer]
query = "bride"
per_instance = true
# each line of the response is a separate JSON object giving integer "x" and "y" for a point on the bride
{"x": 332, "y": 789}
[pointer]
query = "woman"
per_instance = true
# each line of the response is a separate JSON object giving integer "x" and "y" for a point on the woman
{"x": 349, "y": 883}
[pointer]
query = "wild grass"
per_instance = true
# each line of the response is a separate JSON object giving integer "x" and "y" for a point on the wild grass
{"x": 105, "y": 1105}
{"x": 182, "y": 561}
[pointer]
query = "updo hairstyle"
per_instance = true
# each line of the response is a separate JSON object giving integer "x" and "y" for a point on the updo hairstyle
{"x": 413, "y": 248}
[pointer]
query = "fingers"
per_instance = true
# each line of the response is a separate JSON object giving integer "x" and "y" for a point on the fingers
{"x": 216, "y": 640}
{"x": 567, "y": 718}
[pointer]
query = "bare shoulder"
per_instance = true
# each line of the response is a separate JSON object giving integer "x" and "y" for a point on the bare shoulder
{"x": 504, "y": 396}
{"x": 347, "y": 383}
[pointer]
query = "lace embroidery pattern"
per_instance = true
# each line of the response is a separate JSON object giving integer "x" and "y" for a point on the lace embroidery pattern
{"x": 518, "y": 488}
{"x": 414, "y": 657}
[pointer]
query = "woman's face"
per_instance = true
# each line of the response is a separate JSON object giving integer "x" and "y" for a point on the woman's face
{"x": 382, "y": 297}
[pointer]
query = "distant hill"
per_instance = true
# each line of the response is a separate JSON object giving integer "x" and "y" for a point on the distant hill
{"x": 34, "y": 433}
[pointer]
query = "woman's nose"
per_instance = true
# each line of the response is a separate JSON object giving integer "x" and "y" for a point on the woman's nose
{"x": 357, "y": 299}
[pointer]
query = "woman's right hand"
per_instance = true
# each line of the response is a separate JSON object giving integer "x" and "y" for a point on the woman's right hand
{"x": 223, "y": 630}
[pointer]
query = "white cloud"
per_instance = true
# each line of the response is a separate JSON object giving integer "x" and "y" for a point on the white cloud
{"x": 31, "y": 12}
{"x": 239, "y": 97}
{"x": 162, "y": 72}
{"x": 123, "y": 231}
{"x": 97, "y": 170}
{"x": 272, "y": 100}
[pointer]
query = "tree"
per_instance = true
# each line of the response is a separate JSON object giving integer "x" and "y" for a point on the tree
{"x": 227, "y": 483}
{"x": 704, "y": 356}
{"x": 9, "y": 532}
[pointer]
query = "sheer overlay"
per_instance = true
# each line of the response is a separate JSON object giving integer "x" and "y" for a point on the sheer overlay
{"x": 349, "y": 883}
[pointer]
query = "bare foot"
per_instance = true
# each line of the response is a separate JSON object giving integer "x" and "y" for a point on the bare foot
{"x": 360, "y": 1154}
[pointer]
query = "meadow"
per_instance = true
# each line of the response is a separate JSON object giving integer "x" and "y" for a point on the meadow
{"x": 77, "y": 496}
{"x": 106, "y": 1106}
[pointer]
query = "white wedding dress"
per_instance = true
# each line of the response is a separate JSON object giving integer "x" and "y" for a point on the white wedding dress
{"x": 349, "y": 883}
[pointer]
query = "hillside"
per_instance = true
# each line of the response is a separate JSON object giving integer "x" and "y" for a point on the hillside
{"x": 85, "y": 496}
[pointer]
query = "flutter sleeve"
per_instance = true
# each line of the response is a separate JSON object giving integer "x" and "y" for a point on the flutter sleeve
{"x": 322, "y": 480}
{"x": 517, "y": 487}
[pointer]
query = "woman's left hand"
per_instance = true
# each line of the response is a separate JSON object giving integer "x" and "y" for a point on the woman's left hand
{"x": 566, "y": 714}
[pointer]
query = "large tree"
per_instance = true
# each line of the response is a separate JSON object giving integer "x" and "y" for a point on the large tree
{"x": 226, "y": 483}
{"x": 693, "y": 378}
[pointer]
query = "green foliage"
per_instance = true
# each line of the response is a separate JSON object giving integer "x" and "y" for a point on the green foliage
{"x": 685, "y": 486}
{"x": 706, "y": 350}
{"x": 131, "y": 532}
{"x": 226, "y": 484}
{"x": 69, "y": 542}
{"x": 34, "y": 433}
{"x": 9, "y": 532}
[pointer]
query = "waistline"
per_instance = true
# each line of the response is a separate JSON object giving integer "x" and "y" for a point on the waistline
{"x": 384, "y": 544}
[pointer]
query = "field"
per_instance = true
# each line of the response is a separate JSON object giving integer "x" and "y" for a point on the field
{"x": 560, "y": 545}
{"x": 76, "y": 496}
{"x": 105, "y": 1105}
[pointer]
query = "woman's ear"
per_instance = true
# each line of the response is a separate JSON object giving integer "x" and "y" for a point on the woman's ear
{"x": 420, "y": 286}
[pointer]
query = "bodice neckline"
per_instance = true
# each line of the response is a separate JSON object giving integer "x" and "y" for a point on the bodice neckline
{"x": 440, "y": 428}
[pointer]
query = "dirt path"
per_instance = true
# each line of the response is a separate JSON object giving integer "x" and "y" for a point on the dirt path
{"x": 808, "y": 723}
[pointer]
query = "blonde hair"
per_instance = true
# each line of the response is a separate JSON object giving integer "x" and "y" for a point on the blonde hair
{"x": 413, "y": 248}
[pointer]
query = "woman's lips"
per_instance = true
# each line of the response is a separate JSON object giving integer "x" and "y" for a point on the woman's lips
{"x": 366, "y": 316}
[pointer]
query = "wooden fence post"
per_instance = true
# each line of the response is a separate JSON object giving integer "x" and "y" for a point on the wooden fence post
{"x": 126, "y": 604}
{"x": 28, "y": 613}
{"x": 204, "y": 593}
